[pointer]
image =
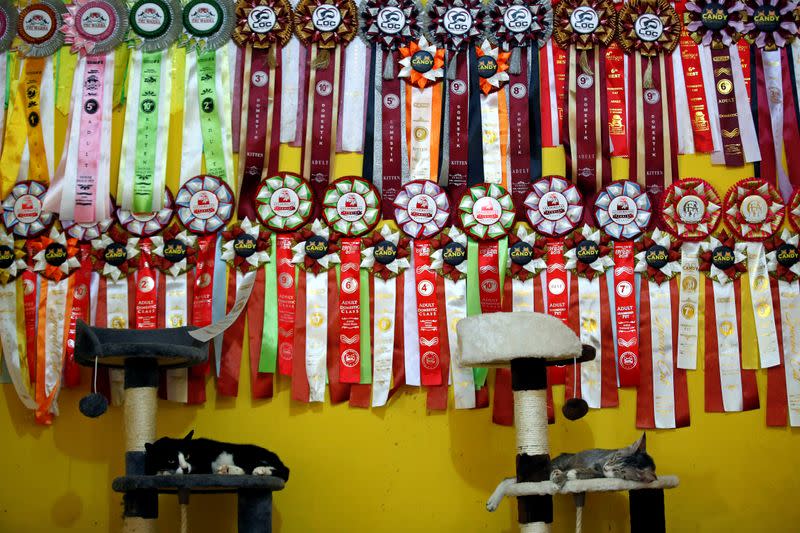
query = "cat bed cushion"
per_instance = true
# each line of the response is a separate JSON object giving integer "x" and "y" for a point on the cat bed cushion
{"x": 171, "y": 348}
{"x": 576, "y": 486}
{"x": 197, "y": 483}
{"x": 494, "y": 339}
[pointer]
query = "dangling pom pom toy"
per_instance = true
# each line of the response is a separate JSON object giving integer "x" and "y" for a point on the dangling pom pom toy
{"x": 575, "y": 408}
{"x": 93, "y": 404}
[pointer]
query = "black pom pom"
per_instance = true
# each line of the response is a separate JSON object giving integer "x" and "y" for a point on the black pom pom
{"x": 93, "y": 405}
{"x": 575, "y": 408}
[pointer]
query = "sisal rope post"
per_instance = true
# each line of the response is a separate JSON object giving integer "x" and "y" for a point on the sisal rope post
{"x": 580, "y": 500}
{"x": 183, "y": 503}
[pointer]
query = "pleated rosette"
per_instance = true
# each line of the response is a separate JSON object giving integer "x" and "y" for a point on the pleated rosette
{"x": 174, "y": 251}
{"x": 95, "y": 26}
{"x": 385, "y": 253}
{"x": 454, "y": 24}
{"x": 326, "y": 24}
{"x": 351, "y": 206}
{"x": 793, "y": 211}
{"x": 716, "y": 23}
{"x": 657, "y": 257}
{"x": 263, "y": 24}
{"x": 588, "y": 252}
{"x": 113, "y": 253}
{"x": 421, "y": 209}
{"x": 23, "y": 211}
{"x": 12, "y": 258}
{"x": 584, "y": 23}
{"x": 492, "y": 67}
{"x": 526, "y": 253}
{"x": 38, "y": 28}
{"x": 753, "y": 209}
{"x": 623, "y": 210}
{"x": 284, "y": 202}
{"x": 85, "y": 233}
{"x": 729, "y": 386}
{"x": 421, "y": 74}
{"x": 554, "y": 206}
{"x": 691, "y": 209}
{"x": 207, "y": 24}
{"x": 389, "y": 25}
{"x": 783, "y": 257}
{"x": 245, "y": 246}
{"x": 486, "y": 212}
{"x": 154, "y": 25}
{"x": 648, "y": 27}
{"x": 771, "y": 24}
{"x": 449, "y": 256}
{"x": 204, "y": 204}
{"x": 316, "y": 248}
{"x": 148, "y": 224}
{"x": 514, "y": 24}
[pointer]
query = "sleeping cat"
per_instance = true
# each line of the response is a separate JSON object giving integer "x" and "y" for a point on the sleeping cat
{"x": 631, "y": 463}
{"x": 205, "y": 456}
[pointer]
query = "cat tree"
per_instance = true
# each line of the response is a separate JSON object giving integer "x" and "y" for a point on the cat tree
{"x": 142, "y": 353}
{"x": 530, "y": 342}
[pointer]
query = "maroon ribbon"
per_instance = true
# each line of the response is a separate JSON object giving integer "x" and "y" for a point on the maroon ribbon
{"x": 321, "y": 133}
{"x": 390, "y": 142}
{"x": 458, "y": 113}
{"x": 519, "y": 148}
{"x": 728, "y": 117}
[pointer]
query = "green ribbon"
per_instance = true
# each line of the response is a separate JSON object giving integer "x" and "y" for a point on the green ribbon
{"x": 364, "y": 323}
{"x": 147, "y": 132}
{"x": 209, "y": 117}
{"x": 269, "y": 338}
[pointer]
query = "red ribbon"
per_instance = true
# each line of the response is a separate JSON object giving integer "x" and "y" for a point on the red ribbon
{"x": 260, "y": 382}
{"x": 458, "y": 113}
{"x": 300, "y": 388}
{"x": 557, "y": 298}
{"x": 437, "y": 395}
{"x": 80, "y": 309}
{"x": 791, "y": 129}
{"x": 286, "y": 303}
{"x": 625, "y": 309}
{"x": 427, "y": 316}
{"x": 398, "y": 357}
{"x": 339, "y": 391}
{"x": 744, "y": 57}
{"x": 146, "y": 294}
{"x": 777, "y": 401}
{"x": 231, "y": 356}
{"x": 390, "y": 142}
{"x": 615, "y": 91}
{"x": 519, "y": 147}
{"x": 350, "y": 312}
{"x": 202, "y": 312}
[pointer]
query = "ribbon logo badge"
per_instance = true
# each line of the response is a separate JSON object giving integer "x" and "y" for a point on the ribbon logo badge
{"x": 351, "y": 206}
{"x": 425, "y": 287}
{"x": 691, "y": 209}
{"x": 391, "y": 20}
{"x": 754, "y": 209}
{"x": 326, "y": 18}
{"x": 324, "y": 87}
{"x": 648, "y": 27}
{"x": 517, "y": 19}
{"x": 766, "y": 18}
{"x": 349, "y": 285}
{"x": 622, "y": 210}
{"x": 27, "y": 209}
{"x": 584, "y": 20}
{"x": 149, "y": 18}
{"x": 284, "y": 202}
{"x": 624, "y": 289}
{"x": 556, "y": 286}
{"x": 37, "y": 24}
{"x": 457, "y": 21}
{"x": 203, "y": 18}
{"x": 203, "y": 205}
{"x": 262, "y": 19}
{"x": 487, "y": 211}
{"x": 553, "y": 205}
{"x": 146, "y": 284}
{"x": 714, "y": 16}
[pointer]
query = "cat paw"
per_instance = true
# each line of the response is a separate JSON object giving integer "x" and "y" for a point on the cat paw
{"x": 234, "y": 470}
{"x": 559, "y": 477}
{"x": 223, "y": 470}
{"x": 263, "y": 471}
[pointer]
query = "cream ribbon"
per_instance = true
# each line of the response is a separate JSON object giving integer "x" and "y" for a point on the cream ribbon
{"x": 689, "y": 306}
{"x": 709, "y": 86}
{"x": 681, "y": 106}
{"x": 316, "y": 334}
{"x": 553, "y": 99}
{"x": 763, "y": 313}
{"x": 176, "y": 316}
{"x": 730, "y": 371}
{"x": 773, "y": 79}
{"x": 790, "y": 324}
{"x": 290, "y": 87}
{"x": 591, "y": 327}
{"x": 661, "y": 341}
{"x": 383, "y": 340}
{"x": 455, "y": 297}
{"x": 490, "y": 122}
{"x": 54, "y": 343}
{"x": 353, "y": 98}
{"x": 10, "y": 300}
{"x": 410, "y": 326}
{"x": 421, "y": 120}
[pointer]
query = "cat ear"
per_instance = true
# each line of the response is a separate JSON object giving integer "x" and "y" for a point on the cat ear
{"x": 189, "y": 435}
{"x": 641, "y": 444}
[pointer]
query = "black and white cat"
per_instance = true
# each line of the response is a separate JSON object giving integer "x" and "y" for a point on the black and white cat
{"x": 205, "y": 456}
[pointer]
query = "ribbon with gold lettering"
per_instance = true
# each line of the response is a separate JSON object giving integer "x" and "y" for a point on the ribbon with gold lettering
{"x": 55, "y": 258}
{"x": 793, "y": 211}
{"x": 588, "y": 256}
{"x": 8, "y": 27}
{"x": 754, "y": 210}
{"x": 324, "y": 27}
{"x": 12, "y": 317}
{"x": 616, "y": 69}
{"x": 728, "y": 387}
{"x": 522, "y": 28}
{"x": 691, "y": 210}
{"x": 649, "y": 30}
{"x": 783, "y": 382}
{"x": 174, "y": 254}
{"x": 385, "y": 255}
{"x": 246, "y": 250}
{"x": 263, "y": 28}
{"x": 316, "y": 357}
{"x": 81, "y": 185}
{"x": 585, "y": 28}
{"x": 770, "y": 27}
{"x": 491, "y": 66}
{"x": 387, "y": 26}
{"x": 716, "y": 26}
{"x": 662, "y": 399}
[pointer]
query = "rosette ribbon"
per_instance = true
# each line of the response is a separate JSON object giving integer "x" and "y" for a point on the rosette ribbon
{"x": 386, "y": 26}
{"x": 457, "y": 26}
{"x": 753, "y": 211}
{"x": 54, "y": 260}
{"x": 553, "y": 77}
{"x": 246, "y": 250}
{"x": 28, "y": 138}
{"x": 284, "y": 204}
{"x": 81, "y": 186}
{"x": 316, "y": 355}
{"x": 174, "y": 254}
{"x": 691, "y": 210}
{"x": 8, "y": 17}
{"x": 263, "y": 28}
{"x": 492, "y": 70}
{"x": 207, "y": 106}
{"x": 728, "y": 386}
{"x": 324, "y": 27}
{"x": 771, "y": 26}
{"x": 12, "y": 318}
{"x": 587, "y": 258}
{"x": 113, "y": 258}
{"x": 662, "y": 396}
{"x": 623, "y": 210}
{"x": 385, "y": 256}
{"x": 783, "y": 381}
{"x": 423, "y": 65}
{"x": 648, "y": 30}
{"x": 585, "y": 28}
{"x": 793, "y": 211}
{"x": 717, "y": 27}
{"x": 520, "y": 28}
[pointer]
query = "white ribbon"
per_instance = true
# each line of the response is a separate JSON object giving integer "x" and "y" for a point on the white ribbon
{"x": 353, "y": 96}
{"x": 709, "y": 85}
{"x": 681, "y": 106}
{"x": 290, "y": 87}
{"x": 316, "y": 334}
{"x": 790, "y": 324}
{"x": 54, "y": 343}
{"x": 192, "y": 147}
{"x": 11, "y": 343}
{"x": 455, "y": 297}
{"x": 244, "y": 288}
{"x": 553, "y": 99}
{"x": 773, "y": 79}
{"x": 490, "y": 122}
{"x": 383, "y": 340}
{"x": 117, "y": 317}
{"x": 661, "y": 342}
{"x": 421, "y": 117}
{"x": 689, "y": 306}
{"x": 763, "y": 313}
{"x": 410, "y": 325}
{"x": 591, "y": 327}
{"x": 727, "y": 326}
{"x": 176, "y": 314}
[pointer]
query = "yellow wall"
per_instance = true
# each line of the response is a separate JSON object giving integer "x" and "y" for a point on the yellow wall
{"x": 398, "y": 468}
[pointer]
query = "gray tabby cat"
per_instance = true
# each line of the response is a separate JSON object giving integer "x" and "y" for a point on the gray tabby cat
{"x": 631, "y": 463}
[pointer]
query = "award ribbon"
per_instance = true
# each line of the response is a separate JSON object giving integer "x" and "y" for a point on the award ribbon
{"x": 81, "y": 185}
{"x": 728, "y": 387}
{"x": 553, "y": 75}
{"x": 690, "y": 211}
{"x": 783, "y": 382}
{"x": 754, "y": 210}
{"x": 649, "y": 31}
{"x": 263, "y": 28}
{"x": 616, "y": 68}
{"x": 386, "y": 26}
{"x": 585, "y": 28}
{"x": 421, "y": 209}
{"x": 23, "y": 212}
{"x": 492, "y": 66}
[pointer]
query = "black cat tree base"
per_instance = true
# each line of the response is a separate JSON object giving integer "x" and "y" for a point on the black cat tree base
{"x": 142, "y": 353}
{"x": 529, "y": 343}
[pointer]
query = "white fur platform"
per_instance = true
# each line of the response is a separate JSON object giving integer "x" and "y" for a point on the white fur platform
{"x": 494, "y": 339}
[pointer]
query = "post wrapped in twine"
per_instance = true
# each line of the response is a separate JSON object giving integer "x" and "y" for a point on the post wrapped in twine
{"x": 140, "y": 417}
{"x": 530, "y": 419}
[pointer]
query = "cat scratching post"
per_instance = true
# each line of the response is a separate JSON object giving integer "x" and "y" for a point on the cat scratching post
{"x": 529, "y": 342}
